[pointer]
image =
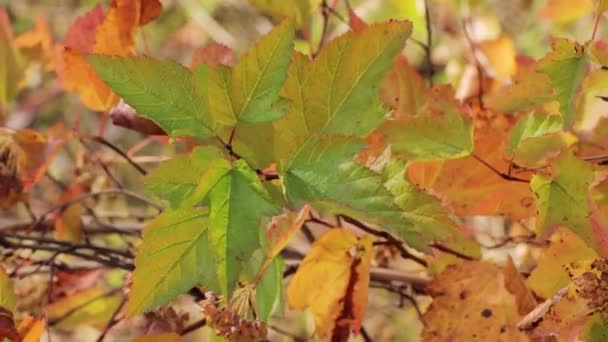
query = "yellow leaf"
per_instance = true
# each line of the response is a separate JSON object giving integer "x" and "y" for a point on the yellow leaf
{"x": 500, "y": 54}
{"x": 333, "y": 281}
{"x": 471, "y": 303}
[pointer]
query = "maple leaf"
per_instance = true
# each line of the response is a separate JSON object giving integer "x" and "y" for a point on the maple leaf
{"x": 565, "y": 65}
{"x": 237, "y": 202}
{"x": 111, "y": 33}
{"x": 403, "y": 89}
{"x": 550, "y": 276}
{"x": 569, "y": 184}
{"x": 175, "y": 255}
{"x": 441, "y": 131}
{"x": 333, "y": 281}
{"x": 469, "y": 187}
{"x": 466, "y": 287}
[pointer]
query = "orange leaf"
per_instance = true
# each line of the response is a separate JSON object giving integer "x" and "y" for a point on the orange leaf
{"x": 404, "y": 89}
{"x": 109, "y": 34}
{"x": 31, "y": 329}
{"x": 7, "y": 326}
{"x": 471, "y": 303}
{"x": 333, "y": 281}
{"x": 77, "y": 75}
{"x": 471, "y": 188}
{"x": 115, "y": 35}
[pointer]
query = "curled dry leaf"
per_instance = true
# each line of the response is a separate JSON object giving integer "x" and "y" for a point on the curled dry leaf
{"x": 333, "y": 281}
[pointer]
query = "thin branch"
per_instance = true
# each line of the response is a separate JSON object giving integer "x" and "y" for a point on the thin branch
{"x": 194, "y": 326}
{"x": 103, "y": 141}
{"x": 504, "y": 176}
{"x": 112, "y": 320}
{"x": 365, "y": 335}
{"x": 429, "y": 42}
{"x": 325, "y": 13}
{"x": 402, "y": 295}
{"x": 83, "y": 305}
{"x": 478, "y": 67}
{"x": 386, "y": 236}
{"x": 448, "y": 250}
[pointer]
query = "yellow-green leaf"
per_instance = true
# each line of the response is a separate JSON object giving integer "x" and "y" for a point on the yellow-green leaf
{"x": 562, "y": 198}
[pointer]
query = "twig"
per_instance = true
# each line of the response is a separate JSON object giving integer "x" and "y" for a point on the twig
{"x": 365, "y": 335}
{"x": 429, "y": 42}
{"x": 504, "y": 176}
{"x": 112, "y": 320}
{"x": 388, "y": 237}
{"x": 402, "y": 295}
{"x": 194, "y": 326}
{"x": 325, "y": 13}
{"x": 103, "y": 141}
{"x": 83, "y": 305}
{"x": 448, "y": 250}
{"x": 596, "y": 22}
{"x": 478, "y": 67}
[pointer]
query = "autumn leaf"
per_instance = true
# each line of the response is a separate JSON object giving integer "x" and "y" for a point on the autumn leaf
{"x": 403, "y": 89}
{"x": 469, "y": 187}
{"x": 555, "y": 195}
{"x": 282, "y": 229}
{"x": 213, "y": 55}
{"x": 565, "y": 65}
{"x": 465, "y": 288}
{"x": 37, "y": 44}
{"x": 332, "y": 281}
{"x": 112, "y": 33}
{"x": 550, "y": 275}
{"x": 31, "y": 329}
{"x": 175, "y": 180}
{"x": 440, "y": 131}
{"x": 175, "y": 255}
{"x": 500, "y": 54}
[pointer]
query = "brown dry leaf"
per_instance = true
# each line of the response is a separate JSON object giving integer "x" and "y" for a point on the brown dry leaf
{"x": 333, "y": 281}
{"x": 213, "y": 54}
{"x": 471, "y": 303}
{"x": 471, "y": 188}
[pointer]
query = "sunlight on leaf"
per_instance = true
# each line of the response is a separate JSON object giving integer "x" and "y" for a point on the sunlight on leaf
{"x": 332, "y": 281}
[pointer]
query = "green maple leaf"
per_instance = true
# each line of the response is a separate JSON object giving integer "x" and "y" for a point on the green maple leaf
{"x": 423, "y": 216}
{"x": 324, "y": 173}
{"x": 176, "y": 179}
{"x": 533, "y": 126}
{"x": 247, "y": 92}
{"x": 237, "y": 202}
{"x": 565, "y": 65}
{"x": 163, "y": 91}
{"x": 175, "y": 255}
{"x": 562, "y": 199}
{"x": 441, "y": 131}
